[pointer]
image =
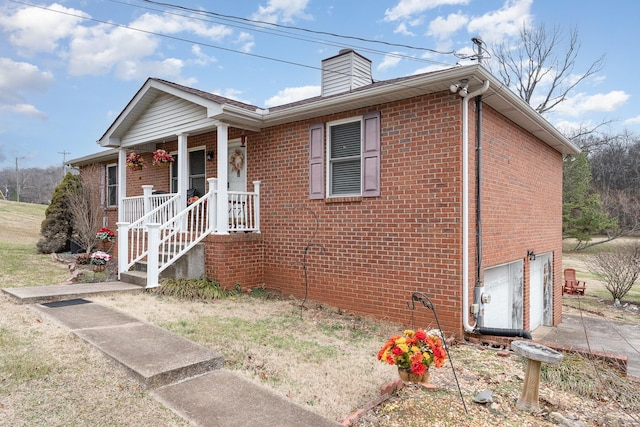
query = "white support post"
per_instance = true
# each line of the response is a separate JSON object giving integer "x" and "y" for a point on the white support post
{"x": 122, "y": 181}
{"x": 153, "y": 257}
{"x": 123, "y": 246}
{"x": 223, "y": 177}
{"x": 147, "y": 191}
{"x": 183, "y": 175}
{"x": 256, "y": 206}
{"x": 183, "y": 168}
{"x": 213, "y": 203}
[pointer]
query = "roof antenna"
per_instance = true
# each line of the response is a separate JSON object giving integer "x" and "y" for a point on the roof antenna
{"x": 478, "y": 42}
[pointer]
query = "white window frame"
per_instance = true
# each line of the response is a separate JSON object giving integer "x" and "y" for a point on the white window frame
{"x": 189, "y": 175}
{"x": 109, "y": 186}
{"x": 330, "y": 161}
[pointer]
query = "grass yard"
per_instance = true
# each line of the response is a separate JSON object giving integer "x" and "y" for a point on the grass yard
{"x": 320, "y": 357}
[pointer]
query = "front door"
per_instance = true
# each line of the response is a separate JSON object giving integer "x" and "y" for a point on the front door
{"x": 237, "y": 170}
{"x": 237, "y": 182}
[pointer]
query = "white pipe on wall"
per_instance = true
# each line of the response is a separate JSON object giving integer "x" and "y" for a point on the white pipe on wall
{"x": 465, "y": 203}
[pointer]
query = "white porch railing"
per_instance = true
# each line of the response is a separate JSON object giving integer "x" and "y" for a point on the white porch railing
{"x": 165, "y": 233}
{"x": 134, "y": 208}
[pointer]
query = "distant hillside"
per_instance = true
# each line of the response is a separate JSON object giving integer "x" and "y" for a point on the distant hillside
{"x": 20, "y": 222}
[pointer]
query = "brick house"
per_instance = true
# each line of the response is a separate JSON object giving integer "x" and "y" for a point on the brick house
{"x": 445, "y": 183}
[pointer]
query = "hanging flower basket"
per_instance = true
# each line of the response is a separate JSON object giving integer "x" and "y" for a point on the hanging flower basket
{"x": 135, "y": 161}
{"x": 162, "y": 158}
{"x": 106, "y": 235}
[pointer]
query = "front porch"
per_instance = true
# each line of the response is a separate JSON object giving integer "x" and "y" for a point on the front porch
{"x": 158, "y": 229}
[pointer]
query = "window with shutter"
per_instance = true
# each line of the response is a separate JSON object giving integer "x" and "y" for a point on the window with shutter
{"x": 112, "y": 185}
{"x": 353, "y": 157}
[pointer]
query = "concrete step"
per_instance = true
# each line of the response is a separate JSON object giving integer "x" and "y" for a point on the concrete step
{"x": 154, "y": 356}
{"x": 43, "y": 294}
{"x": 138, "y": 278}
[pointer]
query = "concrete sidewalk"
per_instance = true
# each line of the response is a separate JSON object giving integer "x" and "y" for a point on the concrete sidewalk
{"x": 598, "y": 335}
{"x": 186, "y": 377}
{"x": 42, "y": 294}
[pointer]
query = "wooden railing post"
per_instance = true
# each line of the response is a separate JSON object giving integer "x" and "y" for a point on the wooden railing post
{"x": 123, "y": 246}
{"x": 153, "y": 255}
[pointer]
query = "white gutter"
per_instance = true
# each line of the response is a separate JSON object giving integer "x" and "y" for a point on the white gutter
{"x": 465, "y": 203}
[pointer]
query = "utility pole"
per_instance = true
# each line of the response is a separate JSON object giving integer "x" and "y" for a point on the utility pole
{"x": 64, "y": 161}
{"x": 18, "y": 179}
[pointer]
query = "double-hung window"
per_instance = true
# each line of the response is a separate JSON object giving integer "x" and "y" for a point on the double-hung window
{"x": 197, "y": 172}
{"x": 352, "y": 158}
{"x": 112, "y": 185}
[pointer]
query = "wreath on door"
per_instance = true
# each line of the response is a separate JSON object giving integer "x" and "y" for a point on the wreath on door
{"x": 237, "y": 160}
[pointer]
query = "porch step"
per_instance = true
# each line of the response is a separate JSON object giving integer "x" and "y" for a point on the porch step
{"x": 134, "y": 277}
{"x": 189, "y": 266}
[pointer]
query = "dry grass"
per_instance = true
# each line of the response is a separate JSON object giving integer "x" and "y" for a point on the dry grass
{"x": 324, "y": 360}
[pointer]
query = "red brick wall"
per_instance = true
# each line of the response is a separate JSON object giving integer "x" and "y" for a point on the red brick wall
{"x": 237, "y": 258}
{"x": 368, "y": 255}
{"x": 380, "y": 250}
{"x": 522, "y": 201}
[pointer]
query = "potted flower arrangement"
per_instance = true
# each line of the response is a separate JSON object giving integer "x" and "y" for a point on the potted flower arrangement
{"x": 413, "y": 353}
{"x": 135, "y": 161}
{"x": 162, "y": 158}
{"x": 106, "y": 235}
{"x": 99, "y": 260}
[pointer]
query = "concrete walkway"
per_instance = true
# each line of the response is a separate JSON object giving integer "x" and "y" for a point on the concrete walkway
{"x": 190, "y": 380}
{"x": 184, "y": 376}
{"x": 598, "y": 335}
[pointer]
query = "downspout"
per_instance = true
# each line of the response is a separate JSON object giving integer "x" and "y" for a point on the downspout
{"x": 477, "y": 328}
{"x": 465, "y": 203}
{"x": 477, "y": 291}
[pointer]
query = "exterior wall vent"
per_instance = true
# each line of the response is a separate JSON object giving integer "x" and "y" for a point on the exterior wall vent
{"x": 344, "y": 72}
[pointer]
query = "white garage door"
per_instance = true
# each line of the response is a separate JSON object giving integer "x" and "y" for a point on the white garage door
{"x": 504, "y": 284}
{"x": 539, "y": 294}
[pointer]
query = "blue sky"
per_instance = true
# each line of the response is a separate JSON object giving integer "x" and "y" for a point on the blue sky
{"x": 67, "y": 69}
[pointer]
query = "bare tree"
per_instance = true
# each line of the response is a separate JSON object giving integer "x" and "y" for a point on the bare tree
{"x": 540, "y": 63}
{"x": 85, "y": 207}
{"x": 619, "y": 269}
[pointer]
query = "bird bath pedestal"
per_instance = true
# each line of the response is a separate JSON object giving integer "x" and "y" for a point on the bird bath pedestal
{"x": 535, "y": 355}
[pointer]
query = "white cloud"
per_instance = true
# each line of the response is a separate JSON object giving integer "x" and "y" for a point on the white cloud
{"x": 282, "y": 11}
{"x": 98, "y": 49}
{"x": 581, "y": 103}
{"x": 34, "y": 29}
{"x": 402, "y": 29}
{"x": 504, "y": 22}
{"x": 201, "y": 57}
{"x": 245, "y": 40}
{"x": 390, "y": 61}
{"x": 632, "y": 121}
{"x": 443, "y": 28}
{"x": 23, "y": 109}
{"x": 16, "y": 80}
{"x": 230, "y": 93}
{"x": 406, "y": 8}
{"x": 292, "y": 94}
{"x": 173, "y": 24}
{"x": 101, "y": 49}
